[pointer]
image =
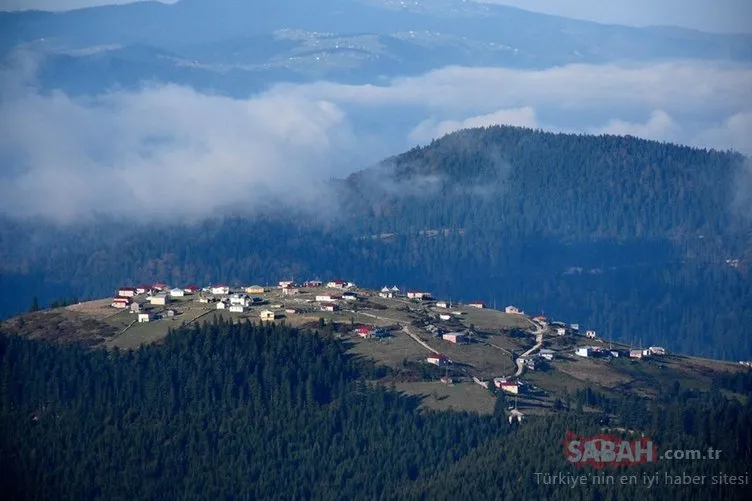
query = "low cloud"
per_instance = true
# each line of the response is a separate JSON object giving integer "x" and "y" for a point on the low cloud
{"x": 168, "y": 151}
{"x": 165, "y": 152}
{"x": 431, "y": 128}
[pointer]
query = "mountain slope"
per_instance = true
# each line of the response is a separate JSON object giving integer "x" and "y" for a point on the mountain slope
{"x": 564, "y": 186}
{"x": 591, "y": 229}
{"x": 406, "y": 41}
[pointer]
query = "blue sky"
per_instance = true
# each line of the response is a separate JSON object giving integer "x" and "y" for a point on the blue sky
{"x": 709, "y": 15}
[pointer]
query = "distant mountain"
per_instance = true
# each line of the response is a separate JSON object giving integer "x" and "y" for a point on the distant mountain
{"x": 247, "y": 43}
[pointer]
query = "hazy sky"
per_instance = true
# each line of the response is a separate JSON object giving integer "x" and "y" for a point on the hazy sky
{"x": 709, "y": 15}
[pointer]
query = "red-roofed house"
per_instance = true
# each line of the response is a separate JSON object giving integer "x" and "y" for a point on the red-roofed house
{"x": 191, "y": 289}
{"x": 120, "y": 302}
{"x": 365, "y": 331}
{"x": 508, "y": 386}
{"x": 220, "y": 289}
{"x": 337, "y": 284}
{"x": 329, "y": 307}
{"x": 478, "y": 304}
{"x": 143, "y": 289}
{"x": 159, "y": 286}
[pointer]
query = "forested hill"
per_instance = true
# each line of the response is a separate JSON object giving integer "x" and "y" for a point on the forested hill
{"x": 566, "y": 186}
{"x": 242, "y": 411}
{"x": 645, "y": 242}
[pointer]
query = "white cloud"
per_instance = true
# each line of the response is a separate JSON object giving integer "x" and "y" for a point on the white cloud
{"x": 660, "y": 126}
{"x": 163, "y": 152}
{"x": 733, "y": 133}
{"x": 695, "y": 87}
{"x": 432, "y": 128}
{"x": 168, "y": 151}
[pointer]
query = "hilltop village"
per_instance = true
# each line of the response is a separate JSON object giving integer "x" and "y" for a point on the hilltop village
{"x": 448, "y": 334}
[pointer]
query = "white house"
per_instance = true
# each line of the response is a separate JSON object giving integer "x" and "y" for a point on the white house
{"x": 158, "y": 299}
{"x": 337, "y": 284}
{"x": 386, "y": 295}
{"x": 590, "y": 334}
{"x": 221, "y": 305}
{"x": 455, "y": 337}
{"x": 547, "y": 354}
{"x": 442, "y": 304}
{"x": 239, "y": 299}
{"x": 237, "y": 308}
{"x": 289, "y": 290}
{"x": 350, "y": 296}
{"x": 326, "y": 298}
{"x": 512, "y": 310}
{"x": 126, "y": 292}
{"x": 561, "y": 331}
{"x": 286, "y": 283}
{"x": 418, "y": 295}
{"x": 329, "y": 307}
{"x": 657, "y": 350}
{"x": 437, "y": 359}
{"x": 143, "y": 289}
{"x": 477, "y": 304}
{"x": 254, "y": 289}
{"x": 144, "y": 317}
{"x": 267, "y": 315}
{"x": 177, "y": 292}
{"x": 220, "y": 289}
{"x": 445, "y": 317}
{"x": 638, "y": 354}
{"x": 584, "y": 351}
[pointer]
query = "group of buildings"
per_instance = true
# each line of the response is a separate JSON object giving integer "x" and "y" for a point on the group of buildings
{"x": 597, "y": 351}
{"x": 225, "y": 297}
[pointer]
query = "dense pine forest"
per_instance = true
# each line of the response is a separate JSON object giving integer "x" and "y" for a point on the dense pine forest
{"x": 635, "y": 238}
{"x": 243, "y": 411}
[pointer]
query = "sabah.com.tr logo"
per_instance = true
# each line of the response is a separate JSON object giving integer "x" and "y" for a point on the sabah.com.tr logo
{"x": 604, "y": 450}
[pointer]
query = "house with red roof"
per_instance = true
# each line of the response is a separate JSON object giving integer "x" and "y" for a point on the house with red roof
{"x": 121, "y": 302}
{"x": 220, "y": 289}
{"x": 337, "y": 283}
